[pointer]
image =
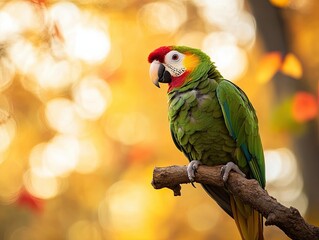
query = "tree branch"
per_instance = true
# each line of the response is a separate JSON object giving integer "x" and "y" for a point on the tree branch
{"x": 249, "y": 191}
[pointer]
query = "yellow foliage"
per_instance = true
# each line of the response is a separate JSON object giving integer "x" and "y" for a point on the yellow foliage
{"x": 268, "y": 66}
{"x": 292, "y": 66}
{"x": 280, "y": 3}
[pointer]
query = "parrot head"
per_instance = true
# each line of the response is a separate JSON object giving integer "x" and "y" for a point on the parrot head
{"x": 177, "y": 65}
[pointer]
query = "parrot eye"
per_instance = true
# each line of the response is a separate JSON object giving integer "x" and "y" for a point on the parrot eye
{"x": 175, "y": 57}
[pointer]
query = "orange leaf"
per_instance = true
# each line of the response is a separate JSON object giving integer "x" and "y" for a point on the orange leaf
{"x": 304, "y": 107}
{"x": 268, "y": 66}
{"x": 141, "y": 154}
{"x": 292, "y": 66}
{"x": 280, "y": 3}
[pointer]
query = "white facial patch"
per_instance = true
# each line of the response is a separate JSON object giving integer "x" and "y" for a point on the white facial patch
{"x": 175, "y": 72}
{"x": 173, "y": 63}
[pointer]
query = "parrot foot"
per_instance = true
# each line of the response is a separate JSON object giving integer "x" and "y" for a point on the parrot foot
{"x": 191, "y": 170}
{"x": 227, "y": 168}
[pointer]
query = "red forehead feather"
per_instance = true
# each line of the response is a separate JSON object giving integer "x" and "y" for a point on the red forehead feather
{"x": 159, "y": 54}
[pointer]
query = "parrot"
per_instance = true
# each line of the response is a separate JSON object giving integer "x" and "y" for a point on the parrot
{"x": 212, "y": 122}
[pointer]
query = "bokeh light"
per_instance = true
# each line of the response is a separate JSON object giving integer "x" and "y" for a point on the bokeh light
{"x": 23, "y": 55}
{"x": 36, "y": 160}
{"x": 130, "y": 128}
{"x": 125, "y": 216}
{"x": 52, "y": 74}
{"x": 90, "y": 45}
{"x": 281, "y": 166}
{"x": 66, "y": 14}
{"x": 89, "y": 159}
{"x": 194, "y": 39}
{"x": 230, "y": 16}
{"x": 25, "y": 15}
{"x": 283, "y": 178}
{"x": 61, "y": 155}
{"x": 41, "y": 186}
{"x": 8, "y": 26}
{"x": 7, "y": 130}
{"x": 58, "y": 157}
{"x": 62, "y": 116}
{"x": 163, "y": 17}
{"x": 86, "y": 37}
{"x": 92, "y": 96}
{"x": 7, "y": 72}
{"x": 82, "y": 128}
{"x": 228, "y": 57}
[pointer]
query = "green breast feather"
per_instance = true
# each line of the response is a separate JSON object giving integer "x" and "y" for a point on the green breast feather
{"x": 214, "y": 122}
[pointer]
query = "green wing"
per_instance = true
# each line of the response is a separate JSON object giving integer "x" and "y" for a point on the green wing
{"x": 242, "y": 124}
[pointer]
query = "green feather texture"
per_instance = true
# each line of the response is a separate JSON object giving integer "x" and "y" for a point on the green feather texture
{"x": 212, "y": 120}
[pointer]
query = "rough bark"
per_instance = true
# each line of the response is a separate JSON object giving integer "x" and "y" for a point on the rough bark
{"x": 249, "y": 191}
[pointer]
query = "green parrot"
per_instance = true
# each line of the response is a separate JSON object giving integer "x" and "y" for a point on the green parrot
{"x": 213, "y": 123}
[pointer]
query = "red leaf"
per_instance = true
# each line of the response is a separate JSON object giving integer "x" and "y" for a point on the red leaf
{"x": 304, "y": 107}
{"x": 26, "y": 199}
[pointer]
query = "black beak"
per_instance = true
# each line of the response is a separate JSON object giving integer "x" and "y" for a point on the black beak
{"x": 163, "y": 75}
{"x": 158, "y": 73}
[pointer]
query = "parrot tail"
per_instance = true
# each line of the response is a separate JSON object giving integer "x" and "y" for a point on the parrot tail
{"x": 249, "y": 221}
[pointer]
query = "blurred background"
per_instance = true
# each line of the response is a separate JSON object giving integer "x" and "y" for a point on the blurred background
{"x": 82, "y": 126}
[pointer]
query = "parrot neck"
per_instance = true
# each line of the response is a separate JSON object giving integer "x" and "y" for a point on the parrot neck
{"x": 213, "y": 73}
{"x": 177, "y": 81}
{"x": 194, "y": 76}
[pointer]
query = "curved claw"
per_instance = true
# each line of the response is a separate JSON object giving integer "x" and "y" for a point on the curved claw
{"x": 191, "y": 170}
{"x": 227, "y": 168}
